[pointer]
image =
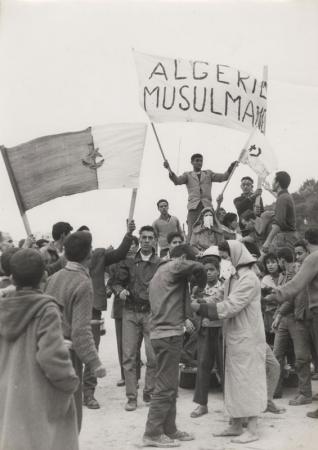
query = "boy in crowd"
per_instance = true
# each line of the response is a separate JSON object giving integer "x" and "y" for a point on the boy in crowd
{"x": 132, "y": 288}
{"x": 168, "y": 294}
{"x": 72, "y": 287}
{"x": 295, "y": 313}
{"x": 210, "y": 344}
{"x": 37, "y": 379}
{"x": 164, "y": 225}
{"x": 53, "y": 251}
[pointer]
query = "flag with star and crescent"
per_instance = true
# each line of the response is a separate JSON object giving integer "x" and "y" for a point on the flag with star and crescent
{"x": 101, "y": 157}
{"x": 259, "y": 155}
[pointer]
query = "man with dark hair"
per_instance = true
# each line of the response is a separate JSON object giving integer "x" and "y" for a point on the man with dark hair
{"x": 306, "y": 279}
{"x": 283, "y": 232}
{"x": 199, "y": 185}
{"x": 54, "y": 250}
{"x": 164, "y": 225}
{"x": 247, "y": 200}
{"x": 167, "y": 297}
{"x": 72, "y": 287}
{"x": 37, "y": 378}
{"x": 5, "y": 280}
{"x": 132, "y": 287}
{"x": 117, "y": 309}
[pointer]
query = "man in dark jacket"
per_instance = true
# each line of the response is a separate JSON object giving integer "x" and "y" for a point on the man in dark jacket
{"x": 132, "y": 288}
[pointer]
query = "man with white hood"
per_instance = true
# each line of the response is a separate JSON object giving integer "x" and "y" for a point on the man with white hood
{"x": 245, "y": 392}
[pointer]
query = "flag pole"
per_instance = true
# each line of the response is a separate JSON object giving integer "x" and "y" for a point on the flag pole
{"x": 132, "y": 203}
{"x": 230, "y": 176}
{"x": 159, "y": 144}
{"x": 16, "y": 190}
{"x": 260, "y": 179}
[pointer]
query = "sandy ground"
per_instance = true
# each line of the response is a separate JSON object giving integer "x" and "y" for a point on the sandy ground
{"x": 111, "y": 427}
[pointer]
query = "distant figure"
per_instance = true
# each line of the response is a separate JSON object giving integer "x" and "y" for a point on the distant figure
{"x": 199, "y": 185}
{"x": 164, "y": 225}
{"x": 247, "y": 200}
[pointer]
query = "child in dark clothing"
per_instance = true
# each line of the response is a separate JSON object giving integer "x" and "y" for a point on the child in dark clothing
{"x": 210, "y": 346}
{"x": 37, "y": 379}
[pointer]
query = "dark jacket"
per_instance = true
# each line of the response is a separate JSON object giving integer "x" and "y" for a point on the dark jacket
{"x": 134, "y": 274}
{"x": 101, "y": 258}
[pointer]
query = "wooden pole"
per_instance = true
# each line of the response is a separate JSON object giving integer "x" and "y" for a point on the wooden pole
{"x": 132, "y": 203}
{"x": 16, "y": 191}
{"x": 260, "y": 179}
{"x": 158, "y": 141}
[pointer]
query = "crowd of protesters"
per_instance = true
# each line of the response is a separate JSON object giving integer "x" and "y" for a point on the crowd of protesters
{"x": 240, "y": 289}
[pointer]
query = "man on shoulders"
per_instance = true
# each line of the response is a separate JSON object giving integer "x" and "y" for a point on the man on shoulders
{"x": 199, "y": 185}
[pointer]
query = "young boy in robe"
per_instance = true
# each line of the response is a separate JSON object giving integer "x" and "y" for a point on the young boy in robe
{"x": 37, "y": 379}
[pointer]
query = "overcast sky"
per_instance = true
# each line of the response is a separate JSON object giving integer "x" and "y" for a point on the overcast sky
{"x": 68, "y": 65}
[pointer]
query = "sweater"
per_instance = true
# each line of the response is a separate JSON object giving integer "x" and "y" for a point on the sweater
{"x": 72, "y": 288}
{"x": 168, "y": 293}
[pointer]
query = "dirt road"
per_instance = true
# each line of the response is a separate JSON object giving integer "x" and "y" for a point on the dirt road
{"x": 111, "y": 427}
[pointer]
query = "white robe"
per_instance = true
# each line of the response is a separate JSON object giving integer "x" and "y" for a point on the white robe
{"x": 245, "y": 348}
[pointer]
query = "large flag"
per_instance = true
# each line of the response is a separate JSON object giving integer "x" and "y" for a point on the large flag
{"x": 200, "y": 91}
{"x": 259, "y": 155}
{"x": 101, "y": 157}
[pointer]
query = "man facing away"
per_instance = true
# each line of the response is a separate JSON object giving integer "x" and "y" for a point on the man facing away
{"x": 199, "y": 185}
{"x": 164, "y": 225}
{"x": 168, "y": 294}
{"x": 72, "y": 287}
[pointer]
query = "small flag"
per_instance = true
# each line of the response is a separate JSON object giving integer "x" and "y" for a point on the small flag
{"x": 101, "y": 157}
{"x": 259, "y": 155}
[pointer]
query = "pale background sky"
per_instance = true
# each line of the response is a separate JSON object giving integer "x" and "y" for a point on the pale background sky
{"x": 68, "y": 65}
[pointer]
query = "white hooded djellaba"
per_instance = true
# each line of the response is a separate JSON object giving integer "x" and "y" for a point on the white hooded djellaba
{"x": 245, "y": 392}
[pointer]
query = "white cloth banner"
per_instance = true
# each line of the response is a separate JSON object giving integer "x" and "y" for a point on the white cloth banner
{"x": 199, "y": 91}
{"x": 121, "y": 147}
{"x": 259, "y": 155}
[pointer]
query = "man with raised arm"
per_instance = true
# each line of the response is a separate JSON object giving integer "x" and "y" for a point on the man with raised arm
{"x": 199, "y": 185}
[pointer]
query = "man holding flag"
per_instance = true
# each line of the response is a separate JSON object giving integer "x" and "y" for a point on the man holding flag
{"x": 199, "y": 185}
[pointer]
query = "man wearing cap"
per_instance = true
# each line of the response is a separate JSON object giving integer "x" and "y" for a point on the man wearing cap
{"x": 199, "y": 185}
